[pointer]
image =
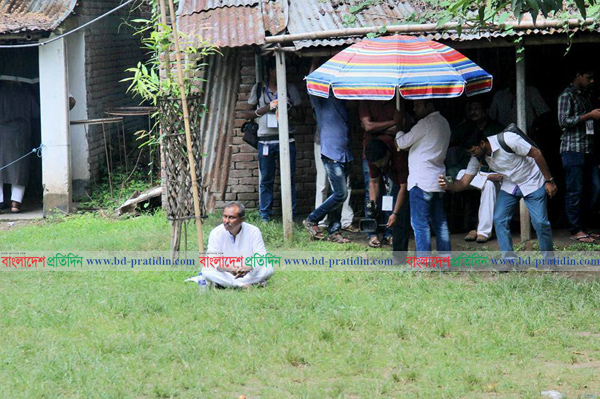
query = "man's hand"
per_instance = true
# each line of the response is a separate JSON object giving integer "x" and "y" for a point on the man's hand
{"x": 371, "y": 212}
{"x": 393, "y": 219}
{"x": 594, "y": 114}
{"x": 273, "y": 104}
{"x": 495, "y": 177}
{"x": 442, "y": 182}
{"x": 551, "y": 189}
{"x": 241, "y": 271}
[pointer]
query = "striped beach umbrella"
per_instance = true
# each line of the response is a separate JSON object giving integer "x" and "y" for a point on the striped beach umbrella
{"x": 419, "y": 68}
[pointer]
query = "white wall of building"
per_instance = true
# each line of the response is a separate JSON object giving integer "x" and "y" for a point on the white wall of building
{"x": 80, "y": 165}
{"x": 56, "y": 160}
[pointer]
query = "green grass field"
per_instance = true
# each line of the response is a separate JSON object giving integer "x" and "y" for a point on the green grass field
{"x": 307, "y": 335}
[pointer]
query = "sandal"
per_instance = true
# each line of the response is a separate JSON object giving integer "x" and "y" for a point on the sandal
{"x": 338, "y": 238}
{"x": 594, "y": 235}
{"x": 15, "y": 207}
{"x": 374, "y": 242}
{"x": 583, "y": 238}
{"x": 388, "y": 241}
{"x": 351, "y": 229}
{"x": 472, "y": 236}
{"x": 313, "y": 230}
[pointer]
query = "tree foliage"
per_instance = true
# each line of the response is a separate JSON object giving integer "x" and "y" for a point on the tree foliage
{"x": 484, "y": 14}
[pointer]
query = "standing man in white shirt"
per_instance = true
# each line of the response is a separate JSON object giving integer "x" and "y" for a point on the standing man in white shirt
{"x": 525, "y": 175}
{"x": 234, "y": 237}
{"x": 427, "y": 142}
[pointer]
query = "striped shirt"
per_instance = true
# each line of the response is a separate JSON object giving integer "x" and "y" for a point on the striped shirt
{"x": 572, "y": 103}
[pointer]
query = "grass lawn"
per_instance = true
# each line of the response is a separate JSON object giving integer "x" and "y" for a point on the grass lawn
{"x": 307, "y": 335}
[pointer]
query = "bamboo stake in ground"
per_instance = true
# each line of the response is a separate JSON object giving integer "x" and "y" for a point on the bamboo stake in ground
{"x": 186, "y": 122}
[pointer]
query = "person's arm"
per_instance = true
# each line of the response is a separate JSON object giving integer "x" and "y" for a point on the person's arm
{"x": 458, "y": 185}
{"x": 368, "y": 124}
{"x": 550, "y": 185}
{"x": 258, "y": 247}
{"x": 406, "y": 140}
{"x": 374, "y": 188}
{"x": 255, "y": 94}
{"x": 566, "y": 117}
{"x": 400, "y": 199}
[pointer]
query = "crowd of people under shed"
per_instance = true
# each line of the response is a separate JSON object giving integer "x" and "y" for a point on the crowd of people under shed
{"x": 414, "y": 157}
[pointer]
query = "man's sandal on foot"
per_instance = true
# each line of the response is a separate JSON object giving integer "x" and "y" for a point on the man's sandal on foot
{"x": 374, "y": 242}
{"x": 583, "y": 238}
{"x": 481, "y": 239}
{"x": 472, "y": 236}
{"x": 338, "y": 238}
{"x": 313, "y": 229}
{"x": 15, "y": 207}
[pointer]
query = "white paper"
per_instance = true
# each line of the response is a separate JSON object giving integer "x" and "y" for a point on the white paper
{"x": 272, "y": 120}
{"x": 265, "y": 150}
{"x": 387, "y": 204}
{"x": 589, "y": 127}
{"x": 479, "y": 180}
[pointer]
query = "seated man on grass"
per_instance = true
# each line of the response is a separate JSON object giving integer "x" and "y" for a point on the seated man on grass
{"x": 234, "y": 237}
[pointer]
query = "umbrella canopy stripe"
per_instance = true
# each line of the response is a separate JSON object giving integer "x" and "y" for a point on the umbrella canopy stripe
{"x": 419, "y": 68}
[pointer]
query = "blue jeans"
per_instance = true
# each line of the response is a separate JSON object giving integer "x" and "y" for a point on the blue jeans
{"x": 536, "y": 203}
{"x": 266, "y": 165}
{"x": 337, "y": 174}
{"x": 426, "y": 212}
{"x": 382, "y": 215}
{"x": 580, "y": 171}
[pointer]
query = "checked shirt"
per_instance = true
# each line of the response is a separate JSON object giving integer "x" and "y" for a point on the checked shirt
{"x": 572, "y": 103}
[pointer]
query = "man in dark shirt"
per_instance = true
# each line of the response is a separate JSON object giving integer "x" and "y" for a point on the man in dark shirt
{"x": 385, "y": 160}
{"x": 577, "y": 117}
{"x": 332, "y": 119}
{"x": 377, "y": 119}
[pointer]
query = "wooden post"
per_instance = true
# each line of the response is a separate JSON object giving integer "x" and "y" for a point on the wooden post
{"x": 165, "y": 73}
{"x": 186, "y": 122}
{"x": 284, "y": 147}
{"x": 522, "y": 124}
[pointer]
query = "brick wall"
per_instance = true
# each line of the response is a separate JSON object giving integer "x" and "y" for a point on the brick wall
{"x": 243, "y": 182}
{"x": 110, "y": 49}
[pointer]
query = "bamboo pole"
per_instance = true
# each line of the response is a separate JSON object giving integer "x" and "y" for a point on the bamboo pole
{"x": 284, "y": 147}
{"x": 165, "y": 73}
{"x": 522, "y": 123}
{"x": 423, "y": 28}
{"x": 186, "y": 123}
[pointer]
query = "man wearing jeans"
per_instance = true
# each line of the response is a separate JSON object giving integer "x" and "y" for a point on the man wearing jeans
{"x": 385, "y": 160}
{"x": 264, "y": 96}
{"x": 428, "y": 142}
{"x": 332, "y": 119}
{"x": 525, "y": 175}
{"x": 576, "y": 117}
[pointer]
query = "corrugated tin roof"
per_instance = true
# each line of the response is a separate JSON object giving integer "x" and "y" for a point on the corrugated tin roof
{"x": 275, "y": 15}
{"x": 237, "y": 23}
{"x": 30, "y": 15}
{"x": 318, "y": 15}
{"x": 226, "y": 27}
{"x": 188, "y": 7}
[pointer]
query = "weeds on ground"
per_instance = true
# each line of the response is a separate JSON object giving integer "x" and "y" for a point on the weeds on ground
{"x": 124, "y": 184}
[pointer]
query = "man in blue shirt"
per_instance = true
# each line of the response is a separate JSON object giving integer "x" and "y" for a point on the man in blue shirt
{"x": 332, "y": 121}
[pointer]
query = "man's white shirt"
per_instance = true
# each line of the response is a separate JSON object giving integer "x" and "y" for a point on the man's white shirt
{"x": 428, "y": 142}
{"x": 247, "y": 242}
{"x": 517, "y": 169}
